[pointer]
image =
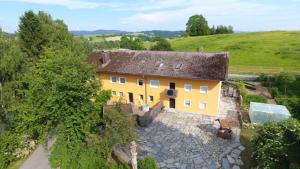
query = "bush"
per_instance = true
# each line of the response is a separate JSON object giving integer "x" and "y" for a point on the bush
{"x": 9, "y": 143}
{"x": 147, "y": 163}
{"x": 277, "y": 145}
{"x": 292, "y": 104}
{"x": 294, "y": 166}
{"x": 255, "y": 98}
{"x": 274, "y": 91}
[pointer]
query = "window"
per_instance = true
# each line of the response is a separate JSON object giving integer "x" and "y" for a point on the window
{"x": 178, "y": 66}
{"x": 154, "y": 83}
{"x": 151, "y": 99}
{"x": 203, "y": 89}
{"x": 113, "y": 79}
{"x": 142, "y": 97}
{"x": 113, "y": 93}
{"x": 121, "y": 94}
{"x": 187, "y": 103}
{"x": 140, "y": 82}
{"x": 187, "y": 87}
{"x": 122, "y": 80}
{"x": 202, "y": 105}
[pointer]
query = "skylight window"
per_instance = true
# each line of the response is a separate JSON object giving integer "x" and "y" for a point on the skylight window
{"x": 178, "y": 66}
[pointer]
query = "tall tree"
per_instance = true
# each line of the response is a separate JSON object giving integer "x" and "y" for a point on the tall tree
{"x": 31, "y": 35}
{"x": 285, "y": 79}
{"x": 197, "y": 25}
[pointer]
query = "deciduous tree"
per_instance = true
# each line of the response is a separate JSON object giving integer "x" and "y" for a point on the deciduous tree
{"x": 197, "y": 25}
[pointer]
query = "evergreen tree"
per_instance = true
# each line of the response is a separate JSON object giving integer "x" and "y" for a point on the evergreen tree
{"x": 31, "y": 35}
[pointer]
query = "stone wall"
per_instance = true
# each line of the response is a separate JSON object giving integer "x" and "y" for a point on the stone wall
{"x": 149, "y": 116}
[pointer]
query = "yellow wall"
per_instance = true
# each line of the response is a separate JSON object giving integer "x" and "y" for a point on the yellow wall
{"x": 211, "y": 98}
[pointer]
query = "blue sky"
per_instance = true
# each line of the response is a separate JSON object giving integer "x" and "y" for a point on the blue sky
{"x": 136, "y": 15}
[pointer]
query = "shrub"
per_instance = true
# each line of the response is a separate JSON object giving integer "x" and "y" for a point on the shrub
{"x": 147, "y": 163}
{"x": 255, "y": 98}
{"x": 292, "y": 103}
{"x": 274, "y": 91}
{"x": 242, "y": 89}
{"x": 277, "y": 145}
{"x": 294, "y": 166}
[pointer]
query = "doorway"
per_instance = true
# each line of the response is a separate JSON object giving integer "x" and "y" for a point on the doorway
{"x": 130, "y": 97}
{"x": 172, "y": 103}
{"x": 172, "y": 85}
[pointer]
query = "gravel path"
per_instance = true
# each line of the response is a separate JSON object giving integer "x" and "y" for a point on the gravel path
{"x": 39, "y": 158}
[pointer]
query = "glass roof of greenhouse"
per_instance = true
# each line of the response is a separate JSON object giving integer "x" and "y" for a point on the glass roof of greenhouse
{"x": 269, "y": 108}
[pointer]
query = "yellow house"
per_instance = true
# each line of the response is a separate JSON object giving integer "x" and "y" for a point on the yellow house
{"x": 185, "y": 81}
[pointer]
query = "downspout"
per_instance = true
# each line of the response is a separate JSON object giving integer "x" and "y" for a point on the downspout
{"x": 145, "y": 92}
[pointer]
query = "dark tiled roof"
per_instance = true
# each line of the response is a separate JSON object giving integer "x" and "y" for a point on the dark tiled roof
{"x": 186, "y": 65}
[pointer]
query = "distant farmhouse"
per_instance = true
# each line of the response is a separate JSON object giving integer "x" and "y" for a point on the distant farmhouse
{"x": 184, "y": 81}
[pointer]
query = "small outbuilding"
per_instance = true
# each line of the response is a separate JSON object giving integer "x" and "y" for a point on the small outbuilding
{"x": 261, "y": 113}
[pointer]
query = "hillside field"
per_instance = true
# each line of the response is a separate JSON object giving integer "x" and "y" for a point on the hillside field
{"x": 261, "y": 52}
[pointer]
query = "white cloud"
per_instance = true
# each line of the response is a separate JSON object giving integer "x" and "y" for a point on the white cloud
{"x": 73, "y": 4}
{"x": 152, "y": 5}
{"x": 216, "y": 12}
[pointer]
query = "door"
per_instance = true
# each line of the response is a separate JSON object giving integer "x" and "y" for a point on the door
{"x": 130, "y": 97}
{"x": 172, "y": 103}
{"x": 172, "y": 85}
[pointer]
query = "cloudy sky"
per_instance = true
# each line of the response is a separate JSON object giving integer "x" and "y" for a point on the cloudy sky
{"x": 136, "y": 15}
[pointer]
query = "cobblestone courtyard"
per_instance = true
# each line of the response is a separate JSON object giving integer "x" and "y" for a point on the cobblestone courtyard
{"x": 181, "y": 140}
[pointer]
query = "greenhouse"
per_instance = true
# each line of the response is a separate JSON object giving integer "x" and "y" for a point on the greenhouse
{"x": 261, "y": 113}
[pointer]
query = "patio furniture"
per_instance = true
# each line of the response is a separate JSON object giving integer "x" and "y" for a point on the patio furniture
{"x": 225, "y": 133}
{"x": 228, "y": 123}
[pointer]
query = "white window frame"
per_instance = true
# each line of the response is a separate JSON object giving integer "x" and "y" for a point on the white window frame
{"x": 113, "y": 93}
{"x": 121, "y": 95}
{"x": 155, "y": 87}
{"x": 150, "y": 98}
{"x": 201, "y": 91}
{"x": 188, "y": 90}
{"x": 137, "y": 82}
{"x": 111, "y": 81}
{"x": 202, "y": 103}
{"x": 120, "y": 80}
{"x": 187, "y": 101}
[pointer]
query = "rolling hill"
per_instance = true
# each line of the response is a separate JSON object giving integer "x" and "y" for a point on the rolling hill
{"x": 164, "y": 33}
{"x": 260, "y": 52}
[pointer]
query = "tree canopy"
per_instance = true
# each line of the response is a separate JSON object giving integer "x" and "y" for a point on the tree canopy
{"x": 161, "y": 44}
{"x": 48, "y": 87}
{"x": 197, "y": 25}
{"x": 131, "y": 43}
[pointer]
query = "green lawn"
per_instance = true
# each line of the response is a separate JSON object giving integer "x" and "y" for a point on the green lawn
{"x": 261, "y": 52}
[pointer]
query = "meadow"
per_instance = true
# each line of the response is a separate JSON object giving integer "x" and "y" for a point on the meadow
{"x": 260, "y": 52}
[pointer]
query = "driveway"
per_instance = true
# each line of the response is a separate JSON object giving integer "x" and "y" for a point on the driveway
{"x": 182, "y": 140}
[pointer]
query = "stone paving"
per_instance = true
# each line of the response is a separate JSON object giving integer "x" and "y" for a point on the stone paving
{"x": 183, "y": 141}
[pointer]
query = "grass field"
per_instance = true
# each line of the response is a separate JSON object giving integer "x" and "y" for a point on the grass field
{"x": 101, "y": 38}
{"x": 261, "y": 52}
